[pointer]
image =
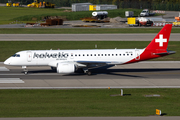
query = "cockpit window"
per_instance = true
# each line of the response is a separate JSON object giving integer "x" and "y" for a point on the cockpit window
{"x": 16, "y": 55}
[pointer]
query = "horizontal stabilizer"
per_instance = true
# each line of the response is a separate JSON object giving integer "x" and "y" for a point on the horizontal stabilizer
{"x": 166, "y": 53}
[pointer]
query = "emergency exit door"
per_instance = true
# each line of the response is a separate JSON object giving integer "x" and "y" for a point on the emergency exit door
{"x": 29, "y": 56}
{"x": 137, "y": 54}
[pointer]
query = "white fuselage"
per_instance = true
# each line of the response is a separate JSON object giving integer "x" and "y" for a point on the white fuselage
{"x": 52, "y": 57}
{"x": 68, "y": 61}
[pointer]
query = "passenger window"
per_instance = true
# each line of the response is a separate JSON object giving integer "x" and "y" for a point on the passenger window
{"x": 119, "y": 54}
{"x": 98, "y": 54}
{"x": 87, "y": 54}
{"x": 79, "y": 55}
{"x": 101, "y": 54}
{"x": 108, "y": 54}
{"x": 127, "y": 54}
{"x": 105, "y": 54}
{"x": 124, "y": 54}
{"x": 116, "y": 54}
{"x": 75, "y": 55}
{"x": 94, "y": 54}
{"x": 91, "y": 54}
{"x": 112, "y": 54}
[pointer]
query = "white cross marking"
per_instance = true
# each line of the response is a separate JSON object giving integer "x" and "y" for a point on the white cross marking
{"x": 160, "y": 40}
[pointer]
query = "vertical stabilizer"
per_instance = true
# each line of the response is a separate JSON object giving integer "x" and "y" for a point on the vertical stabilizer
{"x": 157, "y": 47}
{"x": 160, "y": 42}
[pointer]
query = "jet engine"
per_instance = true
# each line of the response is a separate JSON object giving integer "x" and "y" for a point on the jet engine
{"x": 65, "y": 68}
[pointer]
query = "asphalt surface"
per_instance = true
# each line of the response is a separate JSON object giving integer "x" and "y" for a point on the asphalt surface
{"x": 151, "y": 74}
{"x": 83, "y": 37}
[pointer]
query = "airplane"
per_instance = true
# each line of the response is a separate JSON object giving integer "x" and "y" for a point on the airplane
{"x": 69, "y": 61}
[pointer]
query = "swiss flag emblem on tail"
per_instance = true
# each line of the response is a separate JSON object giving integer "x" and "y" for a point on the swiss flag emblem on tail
{"x": 160, "y": 42}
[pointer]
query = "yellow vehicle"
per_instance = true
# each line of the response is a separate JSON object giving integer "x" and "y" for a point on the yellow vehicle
{"x": 34, "y": 4}
{"x": 48, "y": 5}
{"x": 16, "y": 4}
{"x": 8, "y": 4}
{"x": 38, "y": 4}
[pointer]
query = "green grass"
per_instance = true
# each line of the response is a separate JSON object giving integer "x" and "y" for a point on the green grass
{"x": 81, "y": 30}
{"x": 9, "y": 14}
{"x": 9, "y": 48}
{"x": 87, "y": 102}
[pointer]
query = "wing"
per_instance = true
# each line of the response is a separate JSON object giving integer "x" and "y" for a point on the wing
{"x": 87, "y": 64}
{"x": 96, "y": 64}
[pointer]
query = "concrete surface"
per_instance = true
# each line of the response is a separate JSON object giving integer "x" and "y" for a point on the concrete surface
{"x": 150, "y": 74}
{"x": 83, "y": 37}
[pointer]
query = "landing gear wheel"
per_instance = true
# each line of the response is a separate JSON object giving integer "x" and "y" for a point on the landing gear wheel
{"x": 26, "y": 72}
{"x": 88, "y": 72}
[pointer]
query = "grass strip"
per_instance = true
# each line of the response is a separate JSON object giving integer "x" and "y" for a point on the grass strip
{"x": 28, "y": 14}
{"x": 81, "y": 30}
{"x": 88, "y": 102}
{"x": 9, "y": 48}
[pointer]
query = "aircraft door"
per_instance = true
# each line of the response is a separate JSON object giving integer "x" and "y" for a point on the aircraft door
{"x": 29, "y": 56}
{"x": 137, "y": 55}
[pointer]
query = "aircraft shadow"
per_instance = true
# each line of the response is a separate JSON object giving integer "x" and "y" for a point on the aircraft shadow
{"x": 137, "y": 70}
{"x": 115, "y": 72}
{"x": 41, "y": 71}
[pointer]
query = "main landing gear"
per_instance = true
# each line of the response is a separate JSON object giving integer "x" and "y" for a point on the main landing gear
{"x": 87, "y": 71}
{"x": 25, "y": 70}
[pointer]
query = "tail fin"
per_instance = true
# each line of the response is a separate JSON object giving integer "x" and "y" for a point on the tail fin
{"x": 160, "y": 42}
{"x": 157, "y": 47}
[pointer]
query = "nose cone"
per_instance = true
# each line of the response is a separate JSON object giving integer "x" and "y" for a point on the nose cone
{"x": 7, "y": 62}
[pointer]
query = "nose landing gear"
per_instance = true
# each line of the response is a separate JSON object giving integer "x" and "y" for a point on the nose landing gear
{"x": 25, "y": 70}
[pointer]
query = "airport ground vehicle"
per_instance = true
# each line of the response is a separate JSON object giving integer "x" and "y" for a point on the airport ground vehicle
{"x": 38, "y": 4}
{"x": 15, "y": 4}
{"x": 146, "y": 12}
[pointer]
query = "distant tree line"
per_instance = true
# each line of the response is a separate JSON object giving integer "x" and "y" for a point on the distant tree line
{"x": 139, "y": 4}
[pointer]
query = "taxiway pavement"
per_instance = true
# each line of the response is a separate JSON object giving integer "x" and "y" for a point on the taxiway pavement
{"x": 149, "y": 74}
{"x": 83, "y": 37}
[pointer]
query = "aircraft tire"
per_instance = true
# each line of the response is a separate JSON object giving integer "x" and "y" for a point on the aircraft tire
{"x": 88, "y": 73}
{"x": 26, "y": 72}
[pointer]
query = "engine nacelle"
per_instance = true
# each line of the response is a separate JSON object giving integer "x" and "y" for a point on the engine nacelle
{"x": 65, "y": 68}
